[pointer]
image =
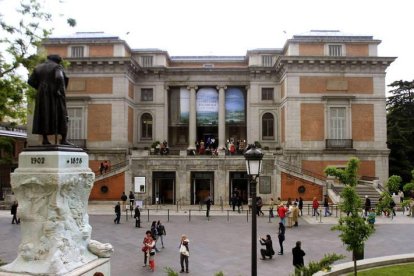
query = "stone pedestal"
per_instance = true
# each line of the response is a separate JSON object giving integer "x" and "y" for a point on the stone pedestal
{"x": 52, "y": 188}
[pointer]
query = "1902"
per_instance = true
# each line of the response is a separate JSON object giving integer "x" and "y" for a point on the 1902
{"x": 76, "y": 160}
{"x": 37, "y": 160}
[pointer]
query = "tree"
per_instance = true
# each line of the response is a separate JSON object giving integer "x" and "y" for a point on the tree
{"x": 20, "y": 41}
{"x": 323, "y": 265}
{"x": 400, "y": 128}
{"x": 354, "y": 229}
{"x": 347, "y": 176}
{"x": 394, "y": 183}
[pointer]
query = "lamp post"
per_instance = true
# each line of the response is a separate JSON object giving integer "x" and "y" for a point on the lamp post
{"x": 253, "y": 165}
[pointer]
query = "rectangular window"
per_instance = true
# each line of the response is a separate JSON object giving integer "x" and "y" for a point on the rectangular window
{"x": 267, "y": 93}
{"x": 337, "y": 123}
{"x": 75, "y": 126}
{"x": 146, "y": 95}
{"x": 77, "y": 51}
{"x": 267, "y": 61}
{"x": 335, "y": 50}
{"x": 146, "y": 61}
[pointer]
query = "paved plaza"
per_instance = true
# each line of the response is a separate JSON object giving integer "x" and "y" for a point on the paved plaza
{"x": 222, "y": 243}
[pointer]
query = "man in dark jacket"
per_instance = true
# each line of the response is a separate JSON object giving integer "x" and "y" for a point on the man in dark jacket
{"x": 14, "y": 212}
{"x": 137, "y": 217}
{"x": 50, "y": 115}
{"x": 269, "y": 247}
{"x": 298, "y": 254}
{"x": 117, "y": 213}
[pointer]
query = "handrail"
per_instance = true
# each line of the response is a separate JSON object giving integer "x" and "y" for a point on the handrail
{"x": 300, "y": 170}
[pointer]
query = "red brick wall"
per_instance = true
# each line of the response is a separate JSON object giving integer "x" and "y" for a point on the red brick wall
{"x": 115, "y": 184}
{"x": 290, "y": 185}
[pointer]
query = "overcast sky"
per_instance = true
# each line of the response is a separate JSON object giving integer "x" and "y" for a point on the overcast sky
{"x": 231, "y": 27}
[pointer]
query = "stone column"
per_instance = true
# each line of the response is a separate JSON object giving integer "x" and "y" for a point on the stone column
{"x": 166, "y": 114}
{"x": 192, "y": 126}
{"x": 52, "y": 188}
{"x": 222, "y": 116}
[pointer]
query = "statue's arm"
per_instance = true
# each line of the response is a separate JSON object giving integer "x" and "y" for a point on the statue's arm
{"x": 61, "y": 81}
{"x": 33, "y": 80}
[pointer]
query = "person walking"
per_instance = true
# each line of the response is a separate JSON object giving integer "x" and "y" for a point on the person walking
{"x": 315, "y": 206}
{"x": 281, "y": 212}
{"x": 154, "y": 233}
{"x": 259, "y": 205}
{"x": 300, "y": 205}
{"x": 208, "y": 204}
{"x": 367, "y": 205}
{"x": 117, "y": 213}
{"x": 161, "y": 232}
{"x": 131, "y": 200}
{"x": 184, "y": 253}
{"x": 326, "y": 205}
{"x": 295, "y": 214}
{"x": 137, "y": 217}
{"x": 124, "y": 199}
{"x": 147, "y": 247}
{"x": 14, "y": 212}
{"x": 269, "y": 247}
{"x": 281, "y": 237}
{"x": 298, "y": 255}
{"x": 271, "y": 207}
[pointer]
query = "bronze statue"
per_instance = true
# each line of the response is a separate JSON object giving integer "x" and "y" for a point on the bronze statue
{"x": 50, "y": 114}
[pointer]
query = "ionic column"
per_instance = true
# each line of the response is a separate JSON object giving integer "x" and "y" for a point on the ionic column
{"x": 222, "y": 116}
{"x": 192, "y": 118}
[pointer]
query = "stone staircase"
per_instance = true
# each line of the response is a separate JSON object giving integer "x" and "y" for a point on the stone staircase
{"x": 362, "y": 190}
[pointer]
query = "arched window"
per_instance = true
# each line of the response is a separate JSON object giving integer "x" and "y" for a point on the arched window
{"x": 146, "y": 126}
{"x": 268, "y": 122}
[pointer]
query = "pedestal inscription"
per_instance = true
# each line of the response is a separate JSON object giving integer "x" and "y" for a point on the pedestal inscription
{"x": 52, "y": 189}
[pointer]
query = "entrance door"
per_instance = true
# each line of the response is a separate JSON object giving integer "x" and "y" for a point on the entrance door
{"x": 239, "y": 183}
{"x": 202, "y": 187}
{"x": 164, "y": 187}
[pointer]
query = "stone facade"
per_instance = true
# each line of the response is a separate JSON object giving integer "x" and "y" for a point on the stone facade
{"x": 320, "y": 98}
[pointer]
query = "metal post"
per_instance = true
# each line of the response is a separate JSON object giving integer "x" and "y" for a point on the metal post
{"x": 227, "y": 215}
{"x": 168, "y": 215}
{"x": 148, "y": 214}
{"x": 247, "y": 215}
{"x": 189, "y": 215}
{"x": 254, "y": 227}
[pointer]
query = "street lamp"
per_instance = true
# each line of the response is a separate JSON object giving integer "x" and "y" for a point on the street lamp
{"x": 253, "y": 165}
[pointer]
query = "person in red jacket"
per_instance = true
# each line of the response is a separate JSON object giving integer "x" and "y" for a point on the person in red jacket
{"x": 281, "y": 212}
{"x": 315, "y": 206}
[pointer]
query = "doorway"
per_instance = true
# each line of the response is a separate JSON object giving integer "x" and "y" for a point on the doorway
{"x": 164, "y": 188}
{"x": 239, "y": 183}
{"x": 202, "y": 186}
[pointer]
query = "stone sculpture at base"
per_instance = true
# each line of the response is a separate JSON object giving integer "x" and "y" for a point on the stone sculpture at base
{"x": 52, "y": 188}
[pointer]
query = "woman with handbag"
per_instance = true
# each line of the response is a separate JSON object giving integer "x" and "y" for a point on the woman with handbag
{"x": 184, "y": 253}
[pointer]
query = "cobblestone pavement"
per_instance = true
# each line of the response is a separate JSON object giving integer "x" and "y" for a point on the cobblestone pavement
{"x": 222, "y": 243}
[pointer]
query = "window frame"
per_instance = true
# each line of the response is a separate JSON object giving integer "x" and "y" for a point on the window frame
{"x": 267, "y": 60}
{"x": 76, "y": 133}
{"x": 147, "y": 61}
{"x": 268, "y": 126}
{"x": 147, "y": 94}
{"x": 343, "y": 131}
{"x": 74, "y": 47}
{"x": 266, "y": 92}
{"x": 330, "y": 53}
{"x": 146, "y": 129}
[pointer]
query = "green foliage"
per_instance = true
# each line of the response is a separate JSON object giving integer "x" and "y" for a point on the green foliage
{"x": 257, "y": 144}
{"x": 6, "y": 145}
{"x": 400, "y": 126}
{"x": 394, "y": 183}
{"x": 354, "y": 230}
{"x": 170, "y": 271}
{"x": 383, "y": 204}
{"x": 347, "y": 176}
{"x": 21, "y": 41}
{"x": 409, "y": 187}
{"x": 323, "y": 265}
{"x": 220, "y": 273}
{"x": 2, "y": 262}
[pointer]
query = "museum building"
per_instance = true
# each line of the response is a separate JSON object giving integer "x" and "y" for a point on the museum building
{"x": 174, "y": 128}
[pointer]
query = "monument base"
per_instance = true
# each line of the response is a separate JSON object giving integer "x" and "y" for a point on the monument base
{"x": 100, "y": 265}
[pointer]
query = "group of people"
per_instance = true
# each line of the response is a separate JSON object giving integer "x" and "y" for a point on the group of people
{"x": 149, "y": 247}
{"x": 104, "y": 167}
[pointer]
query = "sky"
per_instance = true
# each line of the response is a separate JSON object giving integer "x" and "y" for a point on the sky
{"x": 231, "y": 27}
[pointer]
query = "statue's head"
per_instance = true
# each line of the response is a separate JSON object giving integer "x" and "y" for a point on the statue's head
{"x": 55, "y": 58}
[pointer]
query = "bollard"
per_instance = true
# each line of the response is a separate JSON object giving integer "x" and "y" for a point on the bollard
{"x": 336, "y": 211}
{"x": 148, "y": 214}
{"x": 189, "y": 215}
{"x": 269, "y": 216}
{"x": 228, "y": 218}
{"x": 308, "y": 209}
{"x": 126, "y": 214}
{"x": 168, "y": 215}
{"x": 320, "y": 215}
{"x": 247, "y": 213}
